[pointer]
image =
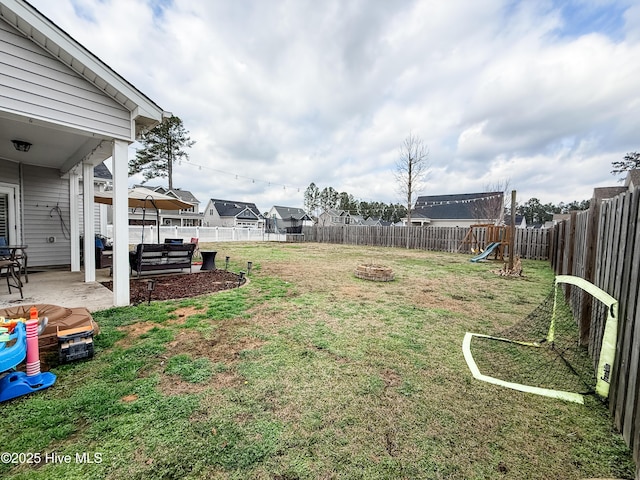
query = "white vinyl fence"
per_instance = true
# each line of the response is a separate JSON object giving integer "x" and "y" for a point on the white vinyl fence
{"x": 149, "y": 234}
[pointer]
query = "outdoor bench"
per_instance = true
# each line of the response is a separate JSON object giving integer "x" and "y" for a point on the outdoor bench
{"x": 149, "y": 257}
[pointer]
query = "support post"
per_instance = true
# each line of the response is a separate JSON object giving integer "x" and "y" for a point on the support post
{"x": 121, "y": 290}
{"x": 74, "y": 215}
{"x": 89, "y": 229}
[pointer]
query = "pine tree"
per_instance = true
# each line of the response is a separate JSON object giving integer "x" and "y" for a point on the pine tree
{"x": 631, "y": 161}
{"x": 163, "y": 145}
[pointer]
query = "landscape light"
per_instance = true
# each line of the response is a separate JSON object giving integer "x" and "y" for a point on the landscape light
{"x": 151, "y": 286}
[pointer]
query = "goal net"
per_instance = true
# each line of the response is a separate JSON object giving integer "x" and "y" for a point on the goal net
{"x": 541, "y": 354}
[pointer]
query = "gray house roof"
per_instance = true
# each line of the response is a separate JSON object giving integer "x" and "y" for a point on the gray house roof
{"x": 184, "y": 195}
{"x": 601, "y": 193}
{"x": 633, "y": 178}
{"x": 180, "y": 194}
{"x": 337, "y": 213}
{"x": 376, "y": 221}
{"x": 102, "y": 172}
{"x": 454, "y": 207}
{"x": 229, "y": 208}
{"x": 287, "y": 213}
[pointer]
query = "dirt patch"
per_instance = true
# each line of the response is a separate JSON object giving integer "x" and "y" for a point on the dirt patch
{"x": 391, "y": 378}
{"x": 184, "y": 313}
{"x": 224, "y": 348}
{"x": 133, "y": 331}
{"x": 174, "y": 385}
{"x": 170, "y": 287}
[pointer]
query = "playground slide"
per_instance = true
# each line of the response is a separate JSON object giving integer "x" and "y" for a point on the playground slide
{"x": 487, "y": 251}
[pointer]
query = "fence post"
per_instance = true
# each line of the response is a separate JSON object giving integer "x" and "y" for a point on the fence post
{"x": 591, "y": 244}
{"x": 512, "y": 230}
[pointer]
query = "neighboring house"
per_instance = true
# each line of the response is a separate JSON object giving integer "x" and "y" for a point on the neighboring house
{"x": 228, "y": 213}
{"x": 521, "y": 221}
{"x": 603, "y": 193}
{"x": 356, "y": 220}
{"x": 632, "y": 181}
{"x": 280, "y": 218}
{"x": 460, "y": 210}
{"x": 555, "y": 219}
{"x": 63, "y": 111}
{"x": 418, "y": 218}
{"x": 333, "y": 217}
{"x": 190, "y": 217}
{"x": 102, "y": 180}
{"x": 376, "y": 222}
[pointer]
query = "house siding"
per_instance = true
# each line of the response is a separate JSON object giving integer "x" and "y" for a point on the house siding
{"x": 10, "y": 171}
{"x": 35, "y": 84}
{"x": 99, "y": 216}
{"x": 45, "y": 196}
{"x": 211, "y": 218}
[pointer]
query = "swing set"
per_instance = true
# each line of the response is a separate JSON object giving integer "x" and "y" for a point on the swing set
{"x": 487, "y": 238}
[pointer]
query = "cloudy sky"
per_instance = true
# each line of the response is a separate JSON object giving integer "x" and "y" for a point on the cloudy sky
{"x": 277, "y": 94}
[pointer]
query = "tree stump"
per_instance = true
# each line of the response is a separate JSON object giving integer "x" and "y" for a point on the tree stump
{"x": 517, "y": 268}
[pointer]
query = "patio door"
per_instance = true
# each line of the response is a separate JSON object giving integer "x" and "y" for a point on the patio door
{"x": 9, "y": 226}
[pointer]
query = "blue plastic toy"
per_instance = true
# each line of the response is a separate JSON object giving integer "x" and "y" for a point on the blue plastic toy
{"x": 15, "y": 384}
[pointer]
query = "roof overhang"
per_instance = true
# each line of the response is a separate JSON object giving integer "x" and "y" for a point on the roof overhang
{"x": 42, "y": 31}
{"x": 64, "y": 146}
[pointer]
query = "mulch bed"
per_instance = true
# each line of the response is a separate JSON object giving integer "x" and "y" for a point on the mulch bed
{"x": 181, "y": 285}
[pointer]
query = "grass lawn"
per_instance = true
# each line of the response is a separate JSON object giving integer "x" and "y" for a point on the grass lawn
{"x": 308, "y": 372}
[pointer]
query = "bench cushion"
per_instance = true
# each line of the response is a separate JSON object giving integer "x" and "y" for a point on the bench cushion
{"x": 151, "y": 257}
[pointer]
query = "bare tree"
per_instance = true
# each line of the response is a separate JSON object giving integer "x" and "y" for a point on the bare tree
{"x": 492, "y": 207}
{"x": 411, "y": 170}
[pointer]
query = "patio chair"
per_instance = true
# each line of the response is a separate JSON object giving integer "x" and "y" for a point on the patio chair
{"x": 194, "y": 240}
{"x": 104, "y": 256}
{"x": 19, "y": 256}
{"x": 13, "y": 279}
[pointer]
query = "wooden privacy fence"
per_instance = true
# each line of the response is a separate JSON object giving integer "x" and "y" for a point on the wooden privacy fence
{"x": 530, "y": 243}
{"x": 602, "y": 245}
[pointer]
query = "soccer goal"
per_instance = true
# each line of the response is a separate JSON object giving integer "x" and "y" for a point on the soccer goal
{"x": 541, "y": 354}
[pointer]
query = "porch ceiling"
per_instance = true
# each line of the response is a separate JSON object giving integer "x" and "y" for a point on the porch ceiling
{"x": 50, "y": 147}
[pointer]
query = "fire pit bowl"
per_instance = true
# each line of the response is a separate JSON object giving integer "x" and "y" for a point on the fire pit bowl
{"x": 375, "y": 273}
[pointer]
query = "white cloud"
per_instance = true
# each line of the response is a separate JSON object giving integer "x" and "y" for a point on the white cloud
{"x": 293, "y": 92}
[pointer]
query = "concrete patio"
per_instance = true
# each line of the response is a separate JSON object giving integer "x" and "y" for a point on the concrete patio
{"x": 60, "y": 287}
